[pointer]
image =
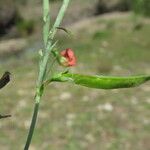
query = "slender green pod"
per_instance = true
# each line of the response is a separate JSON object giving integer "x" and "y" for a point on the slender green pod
{"x": 102, "y": 82}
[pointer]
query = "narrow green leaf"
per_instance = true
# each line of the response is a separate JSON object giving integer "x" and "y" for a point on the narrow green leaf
{"x": 46, "y": 19}
{"x": 102, "y": 82}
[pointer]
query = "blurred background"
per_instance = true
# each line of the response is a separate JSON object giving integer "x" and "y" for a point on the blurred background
{"x": 110, "y": 37}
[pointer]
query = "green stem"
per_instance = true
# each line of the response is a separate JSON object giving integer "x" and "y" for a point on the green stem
{"x": 46, "y": 20}
{"x": 31, "y": 130}
{"x": 39, "y": 93}
{"x": 59, "y": 18}
{"x": 48, "y": 46}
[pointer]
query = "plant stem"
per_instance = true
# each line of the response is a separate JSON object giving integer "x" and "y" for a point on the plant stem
{"x": 59, "y": 17}
{"x": 31, "y": 130}
{"x": 48, "y": 46}
{"x": 46, "y": 20}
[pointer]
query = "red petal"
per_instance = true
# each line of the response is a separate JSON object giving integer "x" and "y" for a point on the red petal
{"x": 70, "y": 53}
{"x": 63, "y": 53}
{"x": 70, "y": 56}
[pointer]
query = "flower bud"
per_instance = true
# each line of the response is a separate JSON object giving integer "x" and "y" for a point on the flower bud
{"x": 68, "y": 58}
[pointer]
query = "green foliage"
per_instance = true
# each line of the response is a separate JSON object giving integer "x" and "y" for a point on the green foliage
{"x": 25, "y": 27}
{"x": 101, "y": 34}
{"x": 141, "y": 7}
{"x": 124, "y": 5}
{"x": 146, "y": 7}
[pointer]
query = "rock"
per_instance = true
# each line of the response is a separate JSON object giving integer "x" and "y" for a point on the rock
{"x": 104, "y": 6}
{"x": 13, "y": 46}
{"x": 7, "y": 15}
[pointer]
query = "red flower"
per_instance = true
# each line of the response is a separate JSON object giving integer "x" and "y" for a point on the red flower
{"x": 70, "y": 59}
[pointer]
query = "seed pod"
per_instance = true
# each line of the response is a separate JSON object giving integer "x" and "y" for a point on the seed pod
{"x": 102, "y": 82}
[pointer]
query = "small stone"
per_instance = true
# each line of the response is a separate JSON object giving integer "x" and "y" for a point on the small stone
{"x": 107, "y": 107}
{"x": 90, "y": 138}
{"x": 65, "y": 96}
